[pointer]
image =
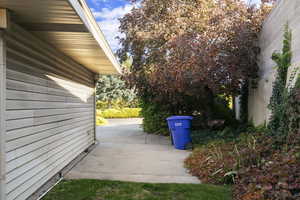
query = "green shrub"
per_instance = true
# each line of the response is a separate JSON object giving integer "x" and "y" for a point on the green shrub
{"x": 228, "y": 134}
{"x": 222, "y": 153}
{"x": 116, "y": 104}
{"x": 277, "y": 176}
{"x": 222, "y": 115}
{"x": 205, "y": 136}
{"x": 119, "y": 113}
{"x": 211, "y": 162}
{"x": 101, "y": 105}
{"x": 222, "y": 110}
{"x": 258, "y": 171}
{"x": 293, "y": 108}
{"x": 155, "y": 118}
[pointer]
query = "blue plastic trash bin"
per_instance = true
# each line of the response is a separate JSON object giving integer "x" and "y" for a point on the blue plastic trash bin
{"x": 180, "y": 128}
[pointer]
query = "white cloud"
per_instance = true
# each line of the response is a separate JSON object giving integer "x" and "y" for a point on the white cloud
{"x": 109, "y": 23}
{"x": 118, "y": 12}
{"x": 98, "y": 2}
{"x": 110, "y": 29}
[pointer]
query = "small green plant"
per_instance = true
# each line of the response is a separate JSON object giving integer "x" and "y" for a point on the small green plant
{"x": 213, "y": 162}
{"x": 293, "y": 108}
{"x": 221, "y": 154}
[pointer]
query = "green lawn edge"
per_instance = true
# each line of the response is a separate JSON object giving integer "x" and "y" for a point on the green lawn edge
{"x": 87, "y": 189}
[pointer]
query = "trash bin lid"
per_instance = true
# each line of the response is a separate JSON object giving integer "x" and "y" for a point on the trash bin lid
{"x": 180, "y": 117}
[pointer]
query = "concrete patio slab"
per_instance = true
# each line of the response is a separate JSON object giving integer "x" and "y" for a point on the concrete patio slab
{"x": 126, "y": 153}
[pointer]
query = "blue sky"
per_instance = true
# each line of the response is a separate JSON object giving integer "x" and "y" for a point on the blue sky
{"x": 107, "y": 13}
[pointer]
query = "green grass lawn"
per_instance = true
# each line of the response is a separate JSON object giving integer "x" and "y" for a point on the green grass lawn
{"x": 115, "y": 190}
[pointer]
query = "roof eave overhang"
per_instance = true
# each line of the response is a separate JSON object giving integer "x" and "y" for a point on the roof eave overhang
{"x": 88, "y": 20}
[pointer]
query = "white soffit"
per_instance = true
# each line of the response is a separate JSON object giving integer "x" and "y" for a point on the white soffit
{"x": 69, "y": 26}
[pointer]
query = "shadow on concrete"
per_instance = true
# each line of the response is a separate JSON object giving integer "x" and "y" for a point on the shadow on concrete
{"x": 126, "y": 153}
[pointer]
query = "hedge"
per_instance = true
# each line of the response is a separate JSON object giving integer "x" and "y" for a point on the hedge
{"x": 119, "y": 113}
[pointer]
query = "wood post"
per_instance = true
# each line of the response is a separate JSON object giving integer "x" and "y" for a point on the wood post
{"x": 4, "y": 22}
{"x": 2, "y": 115}
{"x": 95, "y": 107}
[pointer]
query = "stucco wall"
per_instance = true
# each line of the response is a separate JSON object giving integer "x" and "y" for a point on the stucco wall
{"x": 286, "y": 11}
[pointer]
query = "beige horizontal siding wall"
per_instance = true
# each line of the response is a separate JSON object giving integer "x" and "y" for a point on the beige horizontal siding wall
{"x": 286, "y": 11}
{"x": 49, "y": 112}
{"x": 2, "y": 114}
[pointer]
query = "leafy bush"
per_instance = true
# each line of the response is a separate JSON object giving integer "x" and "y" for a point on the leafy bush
{"x": 119, "y": 113}
{"x": 258, "y": 167}
{"x": 205, "y": 136}
{"x": 277, "y": 177}
{"x": 195, "y": 57}
{"x": 293, "y": 108}
{"x": 227, "y": 134}
{"x": 284, "y": 103}
{"x": 116, "y": 104}
{"x": 212, "y": 162}
{"x": 155, "y": 118}
{"x": 279, "y": 96}
{"x": 222, "y": 153}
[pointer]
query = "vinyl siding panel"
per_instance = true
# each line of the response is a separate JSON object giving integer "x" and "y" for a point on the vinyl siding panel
{"x": 2, "y": 114}
{"x": 49, "y": 112}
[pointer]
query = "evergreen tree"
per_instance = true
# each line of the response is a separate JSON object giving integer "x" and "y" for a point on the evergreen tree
{"x": 112, "y": 90}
